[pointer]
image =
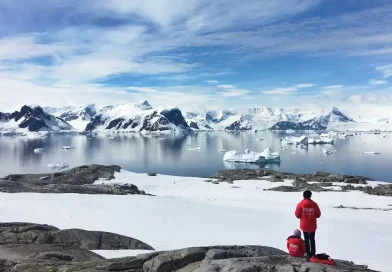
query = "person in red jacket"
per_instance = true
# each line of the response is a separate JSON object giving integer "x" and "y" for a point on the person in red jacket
{"x": 308, "y": 211}
{"x": 296, "y": 245}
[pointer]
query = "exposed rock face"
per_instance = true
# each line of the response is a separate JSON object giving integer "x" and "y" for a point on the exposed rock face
{"x": 321, "y": 122}
{"x": 200, "y": 259}
{"x": 317, "y": 182}
{"x": 27, "y": 233}
{"x": 34, "y": 119}
{"x": 78, "y": 180}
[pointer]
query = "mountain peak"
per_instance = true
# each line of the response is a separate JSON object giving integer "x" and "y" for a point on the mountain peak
{"x": 143, "y": 105}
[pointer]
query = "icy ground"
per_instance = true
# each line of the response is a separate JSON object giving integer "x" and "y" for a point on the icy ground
{"x": 190, "y": 212}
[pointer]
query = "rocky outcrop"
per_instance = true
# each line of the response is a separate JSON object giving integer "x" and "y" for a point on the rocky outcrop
{"x": 317, "y": 181}
{"x": 79, "y": 180}
{"x": 199, "y": 259}
{"x": 28, "y": 233}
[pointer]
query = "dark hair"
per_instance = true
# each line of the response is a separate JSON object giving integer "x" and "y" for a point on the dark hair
{"x": 307, "y": 194}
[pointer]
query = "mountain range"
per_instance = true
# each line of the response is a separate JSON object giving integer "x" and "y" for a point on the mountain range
{"x": 142, "y": 117}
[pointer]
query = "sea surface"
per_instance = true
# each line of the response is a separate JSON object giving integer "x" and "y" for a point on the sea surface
{"x": 170, "y": 155}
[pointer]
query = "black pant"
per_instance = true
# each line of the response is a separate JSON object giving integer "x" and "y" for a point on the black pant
{"x": 310, "y": 243}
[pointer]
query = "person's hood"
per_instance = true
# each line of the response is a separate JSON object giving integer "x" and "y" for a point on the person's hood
{"x": 293, "y": 236}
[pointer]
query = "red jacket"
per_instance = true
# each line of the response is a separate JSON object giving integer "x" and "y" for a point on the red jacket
{"x": 308, "y": 211}
{"x": 296, "y": 246}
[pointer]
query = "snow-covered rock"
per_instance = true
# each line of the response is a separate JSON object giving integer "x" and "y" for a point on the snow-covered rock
{"x": 252, "y": 157}
{"x": 33, "y": 119}
{"x": 138, "y": 118}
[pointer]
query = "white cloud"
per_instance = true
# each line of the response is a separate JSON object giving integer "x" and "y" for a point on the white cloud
{"x": 289, "y": 90}
{"x": 333, "y": 87}
{"x": 226, "y": 86}
{"x": 377, "y": 82}
{"x": 306, "y": 85}
{"x": 212, "y": 81}
{"x": 235, "y": 92}
{"x": 385, "y": 70}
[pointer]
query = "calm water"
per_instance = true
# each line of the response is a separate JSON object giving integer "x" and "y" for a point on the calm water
{"x": 171, "y": 156}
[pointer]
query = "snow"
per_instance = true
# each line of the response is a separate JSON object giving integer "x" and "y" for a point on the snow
{"x": 189, "y": 212}
{"x": 251, "y": 156}
{"x": 58, "y": 165}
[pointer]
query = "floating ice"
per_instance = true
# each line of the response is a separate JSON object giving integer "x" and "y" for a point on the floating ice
{"x": 342, "y": 136}
{"x": 260, "y": 139}
{"x": 222, "y": 150}
{"x": 252, "y": 157}
{"x": 66, "y": 147}
{"x": 58, "y": 165}
{"x": 194, "y": 149}
{"x": 323, "y": 140}
{"x": 327, "y": 152}
{"x": 295, "y": 140}
{"x": 372, "y": 153}
{"x": 39, "y": 150}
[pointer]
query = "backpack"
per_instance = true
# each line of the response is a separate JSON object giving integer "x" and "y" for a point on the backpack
{"x": 323, "y": 259}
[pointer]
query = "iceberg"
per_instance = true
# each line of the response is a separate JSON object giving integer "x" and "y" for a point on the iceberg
{"x": 58, "y": 165}
{"x": 342, "y": 136}
{"x": 252, "y": 157}
{"x": 321, "y": 141}
{"x": 39, "y": 150}
{"x": 295, "y": 140}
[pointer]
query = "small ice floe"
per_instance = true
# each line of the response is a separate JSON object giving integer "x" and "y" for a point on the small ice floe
{"x": 111, "y": 138}
{"x": 372, "y": 153}
{"x": 252, "y": 157}
{"x": 39, "y": 150}
{"x": 194, "y": 149}
{"x": 260, "y": 139}
{"x": 293, "y": 153}
{"x": 67, "y": 147}
{"x": 58, "y": 165}
{"x": 222, "y": 150}
{"x": 384, "y": 136}
{"x": 295, "y": 140}
{"x": 322, "y": 140}
{"x": 327, "y": 152}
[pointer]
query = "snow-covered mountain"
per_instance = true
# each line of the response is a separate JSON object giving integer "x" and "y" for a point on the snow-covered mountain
{"x": 139, "y": 117}
{"x": 33, "y": 119}
{"x": 320, "y": 122}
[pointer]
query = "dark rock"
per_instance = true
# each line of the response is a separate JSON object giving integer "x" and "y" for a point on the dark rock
{"x": 351, "y": 180}
{"x": 215, "y": 182}
{"x": 25, "y": 233}
{"x": 152, "y": 174}
{"x": 335, "y": 177}
{"x": 208, "y": 180}
{"x": 78, "y": 180}
{"x": 55, "y": 258}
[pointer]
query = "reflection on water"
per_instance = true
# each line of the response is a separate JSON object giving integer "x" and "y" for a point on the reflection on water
{"x": 171, "y": 155}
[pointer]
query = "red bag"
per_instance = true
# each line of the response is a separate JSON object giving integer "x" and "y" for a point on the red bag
{"x": 323, "y": 259}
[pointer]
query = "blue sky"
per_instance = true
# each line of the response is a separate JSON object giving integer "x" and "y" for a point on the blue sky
{"x": 196, "y": 53}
